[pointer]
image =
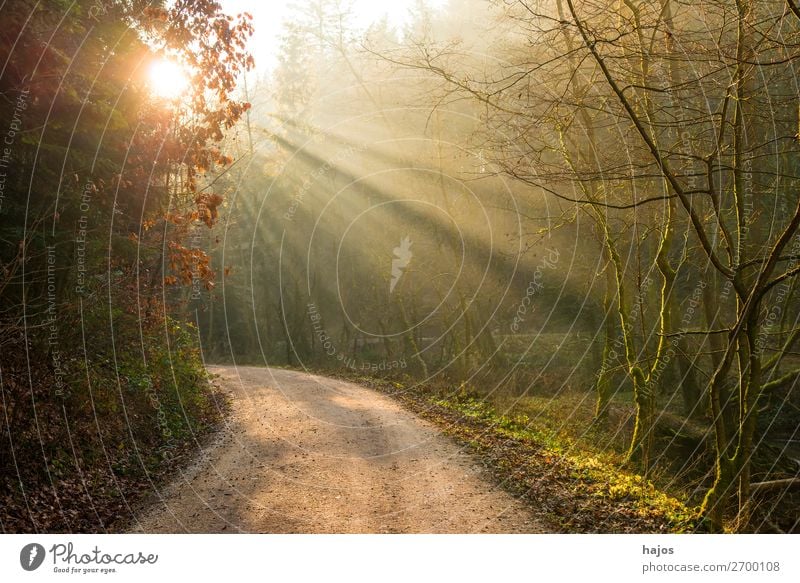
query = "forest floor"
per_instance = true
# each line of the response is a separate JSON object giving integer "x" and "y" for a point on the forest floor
{"x": 310, "y": 454}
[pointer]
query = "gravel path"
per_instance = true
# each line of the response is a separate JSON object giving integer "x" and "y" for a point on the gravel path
{"x": 308, "y": 454}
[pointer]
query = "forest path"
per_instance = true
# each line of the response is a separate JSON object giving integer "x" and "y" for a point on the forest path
{"x": 309, "y": 454}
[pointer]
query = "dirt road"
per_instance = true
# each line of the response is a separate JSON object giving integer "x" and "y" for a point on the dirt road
{"x": 308, "y": 454}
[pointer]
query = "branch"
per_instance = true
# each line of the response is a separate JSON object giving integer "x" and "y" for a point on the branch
{"x": 757, "y": 260}
{"x": 591, "y": 202}
{"x": 793, "y": 7}
{"x": 651, "y": 145}
{"x": 775, "y": 485}
{"x": 786, "y": 275}
{"x": 701, "y": 332}
{"x": 781, "y": 381}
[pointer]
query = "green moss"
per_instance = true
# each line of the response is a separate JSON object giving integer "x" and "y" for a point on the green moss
{"x": 591, "y": 474}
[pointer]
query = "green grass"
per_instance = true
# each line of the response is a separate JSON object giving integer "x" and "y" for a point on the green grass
{"x": 601, "y": 471}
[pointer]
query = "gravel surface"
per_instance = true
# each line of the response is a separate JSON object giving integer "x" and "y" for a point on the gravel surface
{"x": 302, "y": 453}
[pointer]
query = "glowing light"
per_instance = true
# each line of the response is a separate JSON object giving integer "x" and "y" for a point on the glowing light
{"x": 168, "y": 79}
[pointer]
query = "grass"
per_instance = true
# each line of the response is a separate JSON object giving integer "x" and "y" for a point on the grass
{"x": 597, "y": 470}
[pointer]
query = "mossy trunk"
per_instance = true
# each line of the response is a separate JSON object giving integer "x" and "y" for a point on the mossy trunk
{"x": 748, "y": 418}
{"x": 644, "y": 401}
{"x": 603, "y": 383}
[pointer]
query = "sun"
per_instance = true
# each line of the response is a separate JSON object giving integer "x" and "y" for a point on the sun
{"x": 167, "y": 79}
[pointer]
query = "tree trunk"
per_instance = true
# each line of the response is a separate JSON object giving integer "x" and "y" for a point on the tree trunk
{"x": 603, "y": 384}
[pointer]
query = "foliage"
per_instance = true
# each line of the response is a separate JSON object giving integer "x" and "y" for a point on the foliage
{"x": 103, "y": 183}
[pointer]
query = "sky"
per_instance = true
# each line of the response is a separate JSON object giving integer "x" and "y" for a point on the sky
{"x": 269, "y": 15}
